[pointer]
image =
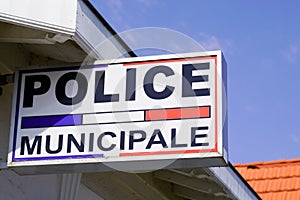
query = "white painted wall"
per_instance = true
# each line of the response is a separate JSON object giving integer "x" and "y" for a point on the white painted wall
{"x": 55, "y": 15}
{"x": 16, "y": 187}
{"x": 45, "y": 187}
{"x": 85, "y": 193}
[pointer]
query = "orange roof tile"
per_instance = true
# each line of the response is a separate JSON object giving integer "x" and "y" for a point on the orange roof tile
{"x": 274, "y": 179}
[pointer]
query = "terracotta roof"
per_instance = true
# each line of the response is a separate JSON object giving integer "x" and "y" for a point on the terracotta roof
{"x": 274, "y": 179}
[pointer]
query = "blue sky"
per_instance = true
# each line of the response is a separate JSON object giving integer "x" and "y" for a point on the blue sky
{"x": 261, "y": 44}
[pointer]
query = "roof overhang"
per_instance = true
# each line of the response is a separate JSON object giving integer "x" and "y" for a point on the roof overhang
{"x": 190, "y": 183}
{"x": 72, "y": 33}
{"x": 230, "y": 179}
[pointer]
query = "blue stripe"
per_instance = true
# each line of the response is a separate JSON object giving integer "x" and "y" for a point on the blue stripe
{"x": 58, "y": 157}
{"x": 51, "y": 121}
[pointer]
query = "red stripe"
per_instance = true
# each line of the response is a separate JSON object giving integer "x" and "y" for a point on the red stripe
{"x": 168, "y": 60}
{"x": 216, "y": 105}
{"x": 178, "y": 113}
{"x": 167, "y": 152}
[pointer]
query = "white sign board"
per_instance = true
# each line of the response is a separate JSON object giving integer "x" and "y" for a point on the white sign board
{"x": 133, "y": 109}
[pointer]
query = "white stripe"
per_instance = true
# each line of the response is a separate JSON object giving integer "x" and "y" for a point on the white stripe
{"x": 200, "y": 85}
{"x": 200, "y": 72}
{"x": 113, "y": 117}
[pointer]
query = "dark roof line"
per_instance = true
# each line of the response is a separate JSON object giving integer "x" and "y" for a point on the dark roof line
{"x": 109, "y": 28}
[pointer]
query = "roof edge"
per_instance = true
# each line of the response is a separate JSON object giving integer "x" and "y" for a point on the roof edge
{"x": 109, "y": 28}
{"x": 232, "y": 181}
{"x": 271, "y": 163}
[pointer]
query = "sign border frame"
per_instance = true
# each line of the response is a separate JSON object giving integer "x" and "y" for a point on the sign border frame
{"x": 220, "y": 147}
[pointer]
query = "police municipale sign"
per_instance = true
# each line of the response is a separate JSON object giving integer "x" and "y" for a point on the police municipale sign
{"x": 132, "y": 109}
